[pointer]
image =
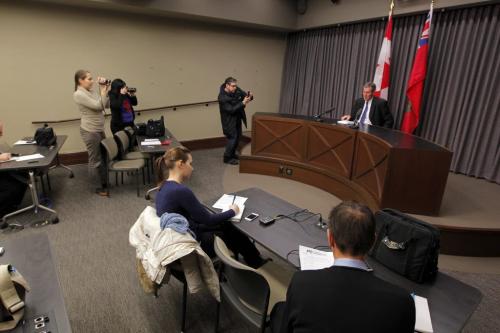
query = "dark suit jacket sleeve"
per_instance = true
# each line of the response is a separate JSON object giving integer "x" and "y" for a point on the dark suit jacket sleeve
{"x": 355, "y": 107}
{"x": 386, "y": 114}
{"x": 228, "y": 107}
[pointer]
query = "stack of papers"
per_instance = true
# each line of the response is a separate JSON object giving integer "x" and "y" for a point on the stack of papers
{"x": 311, "y": 259}
{"x": 422, "y": 315}
{"x": 151, "y": 142}
{"x": 25, "y": 142}
{"x": 226, "y": 200}
{"x": 25, "y": 158}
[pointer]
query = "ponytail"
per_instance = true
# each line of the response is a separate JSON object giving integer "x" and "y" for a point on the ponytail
{"x": 167, "y": 162}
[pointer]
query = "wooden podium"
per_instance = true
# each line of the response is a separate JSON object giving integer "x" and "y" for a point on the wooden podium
{"x": 380, "y": 167}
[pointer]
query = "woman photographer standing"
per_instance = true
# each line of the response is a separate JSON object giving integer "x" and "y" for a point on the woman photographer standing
{"x": 121, "y": 101}
{"x": 92, "y": 108}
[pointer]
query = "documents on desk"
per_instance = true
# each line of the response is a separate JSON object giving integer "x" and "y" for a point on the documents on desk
{"x": 151, "y": 142}
{"x": 25, "y": 158}
{"x": 311, "y": 259}
{"x": 237, "y": 218}
{"x": 227, "y": 200}
{"x": 423, "y": 323}
{"x": 25, "y": 142}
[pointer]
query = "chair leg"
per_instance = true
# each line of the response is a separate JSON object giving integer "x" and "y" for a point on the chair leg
{"x": 137, "y": 181}
{"x": 184, "y": 306}
{"x": 116, "y": 178}
{"x": 143, "y": 176}
{"x": 122, "y": 177}
{"x": 43, "y": 185}
{"x": 217, "y": 315}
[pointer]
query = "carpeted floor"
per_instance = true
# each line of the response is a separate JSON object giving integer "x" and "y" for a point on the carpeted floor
{"x": 95, "y": 263}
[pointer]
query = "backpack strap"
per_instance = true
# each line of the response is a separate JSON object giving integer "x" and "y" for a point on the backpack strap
{"x": 9, "y": 296}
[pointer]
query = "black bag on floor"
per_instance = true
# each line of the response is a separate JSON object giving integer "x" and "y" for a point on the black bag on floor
{"x": 44, "y": 136}
{"x": 155, "y": 128}
{"x": 406, "y": 245}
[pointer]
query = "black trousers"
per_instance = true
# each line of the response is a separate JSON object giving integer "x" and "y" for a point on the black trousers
{"x": 233, "y": 140}
{"x": 234, "y": 239}
{"x": 11, "y": 192}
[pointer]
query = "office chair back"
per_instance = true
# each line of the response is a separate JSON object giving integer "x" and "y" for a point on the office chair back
{"x": 248, "y": 285}
{"x": 111, "y": 148}
{"x": 124, "y": 141}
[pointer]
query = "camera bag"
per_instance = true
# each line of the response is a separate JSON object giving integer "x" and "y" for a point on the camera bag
{"x": 44, "y": 136}
{"x": 406, "y": 245}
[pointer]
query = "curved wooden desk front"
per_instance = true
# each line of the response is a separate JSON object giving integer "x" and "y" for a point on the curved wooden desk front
{"x": 377, "y": 166}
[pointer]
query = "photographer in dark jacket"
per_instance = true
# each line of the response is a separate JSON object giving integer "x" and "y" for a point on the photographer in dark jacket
{"x": 232, "y": 102}
{"x": 121, "y": 102}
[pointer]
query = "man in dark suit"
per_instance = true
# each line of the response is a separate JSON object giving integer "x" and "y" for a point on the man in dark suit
{"x": 232, "y": 102}
{"x": 346, "y": 297}
{"x": 371, "y": 110}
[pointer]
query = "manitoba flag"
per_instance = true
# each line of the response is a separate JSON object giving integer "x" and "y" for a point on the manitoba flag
{"x": 415, "y": 88}
{"x": 381, "y": 78}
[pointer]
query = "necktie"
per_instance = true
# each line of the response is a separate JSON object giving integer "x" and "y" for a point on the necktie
{"x": 363, "y": 114}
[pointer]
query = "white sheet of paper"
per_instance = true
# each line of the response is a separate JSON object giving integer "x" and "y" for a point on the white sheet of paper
{"x": 311, "y": 259}
{"x": 27, "y": 157}
{"x": 226, "y": 200}
{"x": 151, "y": 143}
{"x": 24, "y": 142}
{"x": 345, "y": 122}
{"x": 423, "y": 321}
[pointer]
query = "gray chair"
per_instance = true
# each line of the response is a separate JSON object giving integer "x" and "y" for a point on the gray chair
{"x": 123, "y": 140}
{"x": 252, "y": 292}
{"x": 114, "y": 165}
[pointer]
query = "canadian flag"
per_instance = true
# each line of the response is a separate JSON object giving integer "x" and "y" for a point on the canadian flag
{"x": 381, "y": 78}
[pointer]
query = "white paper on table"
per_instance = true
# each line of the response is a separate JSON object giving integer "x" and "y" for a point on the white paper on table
{"x": 311, "y": 259}
{"x": 226, "y": 200}
{"x": 423, "y": 321}
{"x": 237, "y": 218}
{"x": 25, "y": 142}
{"x": 27, "y": 157}
{"x": 345, "y": 122}
{"x": 151, "y": 143}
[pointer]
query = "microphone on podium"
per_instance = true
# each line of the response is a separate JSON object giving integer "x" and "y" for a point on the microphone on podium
{"x": 356, "y": 118}
{"x": 318, "y": 116}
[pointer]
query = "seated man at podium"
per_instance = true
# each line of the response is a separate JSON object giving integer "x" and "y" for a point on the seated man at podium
{"x": 371, "y": 110}
{"x": 346, "y": 297}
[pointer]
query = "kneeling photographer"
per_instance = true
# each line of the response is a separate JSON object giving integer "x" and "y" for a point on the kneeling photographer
{"x": 121, "y": 100}
{"x": 232, "y": 103}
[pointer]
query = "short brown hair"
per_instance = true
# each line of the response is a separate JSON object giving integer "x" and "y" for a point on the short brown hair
{"x": 80, "y": 74}
{"x": 353, "y": 227}
{"x": 167, "y": 161}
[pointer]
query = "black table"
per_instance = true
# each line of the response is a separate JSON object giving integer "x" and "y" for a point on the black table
{"x": 451, "y": 302}
{"x": 32, "y": 257}
{"x": 158, "y": 149}
{"x": 50, "y": 155}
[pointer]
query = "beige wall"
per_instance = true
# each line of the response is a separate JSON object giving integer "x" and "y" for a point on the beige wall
{"x": 170, "y": 62}
{"x": 324, "y": 12}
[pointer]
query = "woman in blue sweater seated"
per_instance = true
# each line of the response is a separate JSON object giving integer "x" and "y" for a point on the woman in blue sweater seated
{"x": 173, "y": 169}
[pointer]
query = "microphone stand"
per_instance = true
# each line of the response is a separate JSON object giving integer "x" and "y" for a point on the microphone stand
{"x": 356, "y": 119}
{"x": 318, "y": 116}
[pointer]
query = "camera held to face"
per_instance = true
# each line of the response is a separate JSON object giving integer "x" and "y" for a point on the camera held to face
{"x": 131, "y": 90}
{"x": 104, "y": 82}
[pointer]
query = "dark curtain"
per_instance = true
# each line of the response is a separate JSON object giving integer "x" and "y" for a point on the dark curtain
{"x": 461, "y": 110}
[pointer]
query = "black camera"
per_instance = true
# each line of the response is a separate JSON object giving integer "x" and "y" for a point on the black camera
{"x": 104, "y": 82}
{"x": 242, "y": 94}
{"x": 131, "y": 90}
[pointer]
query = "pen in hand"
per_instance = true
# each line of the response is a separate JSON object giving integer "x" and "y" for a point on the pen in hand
{"x": 234, "y": 197}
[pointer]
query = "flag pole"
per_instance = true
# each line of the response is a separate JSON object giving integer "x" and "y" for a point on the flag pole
{"x": 392, "y": 7}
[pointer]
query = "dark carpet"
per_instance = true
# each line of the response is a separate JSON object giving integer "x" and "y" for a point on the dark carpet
{"x": 96, "y": 265}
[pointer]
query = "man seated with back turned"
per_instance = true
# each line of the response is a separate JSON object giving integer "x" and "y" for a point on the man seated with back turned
{"x": 346, "y": 297}
{"x": 371, "y": 110}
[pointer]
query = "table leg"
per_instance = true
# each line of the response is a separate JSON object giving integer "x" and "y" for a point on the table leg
{"x": 36, "y": 204}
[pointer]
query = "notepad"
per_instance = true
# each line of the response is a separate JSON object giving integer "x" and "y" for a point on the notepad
{"x": 154, "y": 142}
{"x": 311, "y": 259}
{"x": 226, "y": 200}
{"x": 24, "y": 142}
{"x": 423, "y": 321}
{"x": 27, "y": 157}
{"x": 345, "y": 122}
